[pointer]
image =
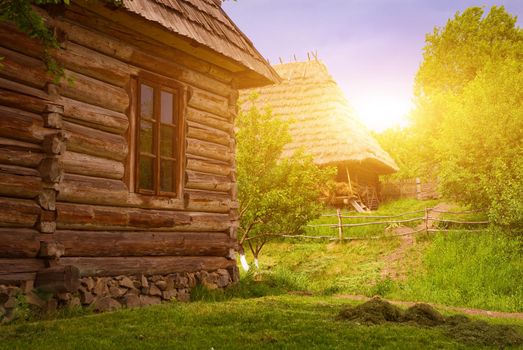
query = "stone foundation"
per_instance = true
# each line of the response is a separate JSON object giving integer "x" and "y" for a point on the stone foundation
{"x": 112, "y": 293}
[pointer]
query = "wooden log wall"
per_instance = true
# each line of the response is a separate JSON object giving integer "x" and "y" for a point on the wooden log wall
{"x": 65, "y": 157}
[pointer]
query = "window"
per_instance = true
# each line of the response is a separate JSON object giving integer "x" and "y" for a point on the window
{"x": 159, "y": 138}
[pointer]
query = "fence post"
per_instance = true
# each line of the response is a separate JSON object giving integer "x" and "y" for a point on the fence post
{"x": 426, "y": 220}
{"x": 340, "y": 227}
{"x": 418, "y": 188}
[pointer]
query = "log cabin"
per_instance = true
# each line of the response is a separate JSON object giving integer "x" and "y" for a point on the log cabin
{"x": 126, "y": 166}
{"x": 323, "y": 125}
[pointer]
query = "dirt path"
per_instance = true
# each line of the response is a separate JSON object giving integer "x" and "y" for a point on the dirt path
{"x": 462, "y": 310}
{"x": 407, "y": 240}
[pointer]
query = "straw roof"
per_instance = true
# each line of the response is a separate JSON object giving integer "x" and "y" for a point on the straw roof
{"x": 323, "y": 124}
{"x": 205, "y": 23}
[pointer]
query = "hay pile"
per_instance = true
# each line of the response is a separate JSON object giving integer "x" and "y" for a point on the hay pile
{"x": 377, "y": 311}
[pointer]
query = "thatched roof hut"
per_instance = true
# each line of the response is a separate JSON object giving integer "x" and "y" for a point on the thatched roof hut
{"x": 323, "y": 123}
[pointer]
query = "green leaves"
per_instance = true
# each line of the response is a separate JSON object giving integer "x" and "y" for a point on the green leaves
{"x": 467, "y": 128}
{"x": 276, "y": 195}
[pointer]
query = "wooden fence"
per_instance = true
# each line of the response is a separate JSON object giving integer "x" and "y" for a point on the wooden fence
{"x": 341, "y": 230}
{"x": 411, "y": 188}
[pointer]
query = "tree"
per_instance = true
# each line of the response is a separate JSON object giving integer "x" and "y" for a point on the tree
{"x": 452, "y": 57}
{"x": 468, "y": 120}
{"x": 482, "y": 143}
{"x": 277, "y": 196}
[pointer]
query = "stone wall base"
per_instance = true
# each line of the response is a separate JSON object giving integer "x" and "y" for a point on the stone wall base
{"x": 112, "y": 293}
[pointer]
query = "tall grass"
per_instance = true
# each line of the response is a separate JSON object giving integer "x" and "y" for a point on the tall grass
{"x": 481, "y": 270}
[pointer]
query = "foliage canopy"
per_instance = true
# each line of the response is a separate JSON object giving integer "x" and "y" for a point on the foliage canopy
{"x": 467, "y": 127}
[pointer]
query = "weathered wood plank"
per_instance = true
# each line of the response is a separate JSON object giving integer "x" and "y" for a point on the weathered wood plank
{"x": 18, "y": 243}
{"x": 19, "y": 182}
{"x": 15, "y": 278}
{"x": 20, "y": 125}
{"x": 209, "y": 102}
{"x": 83, "y": 164}
{"x": 202, "y": 222}
{"x": 95, "y": 64}
{"x": 13, "y": 86}
{"x": 201, "y": 181}
{"x": 22, "y": 68}
{"x": 208, "y": 202}
{"x": 18, "y": 212}
{"x": 145, "y": 265}
{"x": 58, "y": 279}
{"x": 89, "y": 90}
{"x": 89, "y": 217}
{"x": 95, "y": 142}
{"x": 206, "y": 133}
{"x": 93, "y": 116}
{"x": 90, "y": 190}
{"x": 26, "y": 102}
{"x": 209, "y": 119}
{"x": 19, "y": 266}
{"x": 142, "y": 243}
{"x": 210, "y": 166}
{"x": 208, "y": 149}
{"x": 15, "y": 156}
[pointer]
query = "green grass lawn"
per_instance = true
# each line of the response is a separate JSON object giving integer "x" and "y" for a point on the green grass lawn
{"x": 271, "y": 322}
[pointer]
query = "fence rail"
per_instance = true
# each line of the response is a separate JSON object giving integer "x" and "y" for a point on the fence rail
{"x": 425, "y": 225}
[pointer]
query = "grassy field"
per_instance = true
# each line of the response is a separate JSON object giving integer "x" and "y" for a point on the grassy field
{"x": 480, "y": 270}
{"x": 470, "y": 269}
{"x": 271, "y": 322}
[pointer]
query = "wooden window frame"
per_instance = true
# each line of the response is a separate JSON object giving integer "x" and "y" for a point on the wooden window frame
{"x": 179, "y": 92}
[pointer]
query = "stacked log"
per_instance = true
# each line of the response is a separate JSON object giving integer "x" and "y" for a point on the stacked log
{"x": 67, "y": 195}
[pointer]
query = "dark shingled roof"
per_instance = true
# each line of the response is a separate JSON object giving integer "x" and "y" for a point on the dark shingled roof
{"x": 205, "y": 22}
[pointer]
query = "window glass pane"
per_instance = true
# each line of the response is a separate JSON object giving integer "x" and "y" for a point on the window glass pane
{"x": 166, "y": 141}
{"x": 166, "y": 176}
{"x": 146, "y": 173}
{"x": 167, "y": 107}
{"x": 146, "y": 137}
{"x": 147, "y": 101}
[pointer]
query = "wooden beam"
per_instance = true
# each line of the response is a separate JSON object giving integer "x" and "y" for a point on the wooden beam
{"x": 141, "y": 243}
{"x": 83, "y": 164}
{"x": 58, "y": 279}
{"x": 95, "y": 142}
{"x": 18, "y": 212}
{"x": 90, "y": 217}
{"x": 146, "y": 265}
{"x": 18, "y": 243}
{"x": 94, "y": 117}
{"x": 19, "y": 182}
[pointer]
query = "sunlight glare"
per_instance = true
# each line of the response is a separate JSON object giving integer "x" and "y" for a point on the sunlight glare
{"x": 380, "y": 113}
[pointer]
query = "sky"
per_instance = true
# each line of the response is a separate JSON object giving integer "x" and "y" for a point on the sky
{"x": 372, "y": 48}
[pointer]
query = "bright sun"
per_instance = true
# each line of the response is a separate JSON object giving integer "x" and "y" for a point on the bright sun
{"x": 380, "y": 113}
